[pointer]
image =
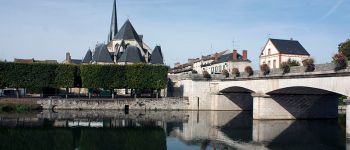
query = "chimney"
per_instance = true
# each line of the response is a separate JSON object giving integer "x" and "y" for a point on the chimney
{"x": 245, "y": 54}
{"x": 235, "y": 55}
{"x": 68, "y": 58}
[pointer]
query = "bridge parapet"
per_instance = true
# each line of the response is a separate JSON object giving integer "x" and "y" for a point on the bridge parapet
{"x": 297, "y": 71}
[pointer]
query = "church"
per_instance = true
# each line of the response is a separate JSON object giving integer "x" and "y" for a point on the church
{"x": 124, "y": 46}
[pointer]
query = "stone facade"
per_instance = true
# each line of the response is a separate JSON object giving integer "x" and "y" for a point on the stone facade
{"x": 118, "y": 104}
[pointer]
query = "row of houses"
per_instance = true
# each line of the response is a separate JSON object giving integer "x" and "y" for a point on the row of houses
{"x": 273, "y": 54}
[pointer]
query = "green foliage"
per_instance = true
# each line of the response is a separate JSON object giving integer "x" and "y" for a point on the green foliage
{"x": 265, "y": 69}
{"x": 66, "y": 76}
{"x": 285, "y": 66}
{"x": 143, "y": 76}
{"x": 345, "y": 48}
{"x": 309, "y": 65}
{"x": 36, "y": 139}
{"x": 293, "y": 63}
{"x": 225, "y": 73}
{"x": 123, "y": 138}
{"x": 102, "y": 76}
{"x": 249, "y": 70}
{"x": 340, "y": 61}
{"x": 10, "y": 107}
{"x": 32, "y": 76}
{"x": 36, "y": 76}
{"x": 235, "y": 72}
{"x": 206, "y": 75}
{"x": 194, "y": 72}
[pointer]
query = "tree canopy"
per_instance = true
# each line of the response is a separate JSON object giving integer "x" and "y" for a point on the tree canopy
{"x": 345, "y": 48}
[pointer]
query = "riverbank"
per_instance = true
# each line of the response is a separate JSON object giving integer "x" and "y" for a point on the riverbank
{"x": 116, "y": 104}
{"x": 19, "y": 105}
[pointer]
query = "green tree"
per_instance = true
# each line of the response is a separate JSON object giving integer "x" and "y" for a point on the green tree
{"x": 345, "y": 48}
{"x": 293, "y": 63}
{"x": 66, "y": 76}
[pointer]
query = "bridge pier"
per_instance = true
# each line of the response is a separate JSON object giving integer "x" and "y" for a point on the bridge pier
{"x": 284, "y": 106}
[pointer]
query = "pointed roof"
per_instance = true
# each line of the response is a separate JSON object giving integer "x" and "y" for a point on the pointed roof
{"x": 157, "y": 56}
{"x": 88, "y": 57}
{"x": 114, "y": 23}
{"x": 102, "y": 54}
{"x": 127, "y": 32}
{"x": 132, "y": 54}
{"x": 289, "y": 47}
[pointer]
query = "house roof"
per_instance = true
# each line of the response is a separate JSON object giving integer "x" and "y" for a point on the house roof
{"x": 127, "y": 32}
{"x": 131, "y": 54}
{"x": 102, "y": 54}
{"x": 88, "y": 57}
{"x": 76, "y": 61}
{"x": 289, "y": 47}
{"x": 229, "y": 57}
{"x": 24, "y": 60}
{"x": 157, "y": 56}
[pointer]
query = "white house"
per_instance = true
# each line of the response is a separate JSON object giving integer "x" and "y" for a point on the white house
{"x": 215, "y": 63}
{"x": 277, "y": 51}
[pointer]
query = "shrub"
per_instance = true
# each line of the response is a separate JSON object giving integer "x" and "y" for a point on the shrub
{"x": 340, "y": 61}
{"x": 194, "y": 72}
{"x": 293, "y": 63}
{"x": 285, "y": 66}
{"x": 265, "y": 69}
{"x": 309, "y": 65}
{"x": 235, "y": 72}
{"x": 225, "y": 73}
{"x": 206, "y": 75}
{"x": 249, "y": 70}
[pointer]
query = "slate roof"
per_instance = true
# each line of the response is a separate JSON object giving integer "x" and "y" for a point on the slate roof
{"x": 127, "y": 32}
{"x": 76, "y": 61}
{"x": 132, "y": 54}
{"x": 289, "y": 47}
{"x": 229, "y": 57}
{"x": 157, "y": 56}
{"x": 88, "y": 57}
{"x": 114, "y": 23}
{"x": 102, "y": 54}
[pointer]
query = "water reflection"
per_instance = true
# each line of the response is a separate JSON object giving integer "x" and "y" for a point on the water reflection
{"x": 165, "y": 130}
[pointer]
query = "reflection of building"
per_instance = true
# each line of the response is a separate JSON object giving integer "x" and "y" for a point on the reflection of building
{"x": 125, "y": 46}
{"x": 277, "y": 51}
{"x": 215, "y": 63}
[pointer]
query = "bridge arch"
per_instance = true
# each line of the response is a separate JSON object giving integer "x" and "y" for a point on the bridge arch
{"x": 303, "y": 90}
{"x": 236, "y": 89}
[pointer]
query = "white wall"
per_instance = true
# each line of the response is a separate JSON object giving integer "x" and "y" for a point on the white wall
{"x": 274, "y": 55}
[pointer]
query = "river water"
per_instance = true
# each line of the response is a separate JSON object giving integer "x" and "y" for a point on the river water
{"x": 173, "y": 130}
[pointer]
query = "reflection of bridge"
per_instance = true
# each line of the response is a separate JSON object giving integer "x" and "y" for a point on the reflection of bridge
{"x": 219, "y": 129}
{"x": 292, "y": 96}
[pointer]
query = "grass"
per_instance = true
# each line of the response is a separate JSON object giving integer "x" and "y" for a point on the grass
{"x": 18, "y": 106}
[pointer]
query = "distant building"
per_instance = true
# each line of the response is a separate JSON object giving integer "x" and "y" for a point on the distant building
{"x": 277, "y": 51}
{"x": 32, "y": 60}
{"x": 215, "y": 63}
{"x": 125, "y": 46}
{"x": 69, "y": 60}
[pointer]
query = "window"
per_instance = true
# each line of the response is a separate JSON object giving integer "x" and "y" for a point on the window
{"x": 269, "y": 51}
{"x": 269, "y": 63}
{"x": 274, "y": 63}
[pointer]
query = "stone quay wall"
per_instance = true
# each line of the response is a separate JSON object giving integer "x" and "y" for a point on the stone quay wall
{"x": 116, "y": 104}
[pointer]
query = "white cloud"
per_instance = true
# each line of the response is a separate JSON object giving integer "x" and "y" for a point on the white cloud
{"x": 332, "y": 10}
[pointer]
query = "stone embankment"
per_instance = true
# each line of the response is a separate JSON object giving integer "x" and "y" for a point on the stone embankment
{"x": 116, "y": 104}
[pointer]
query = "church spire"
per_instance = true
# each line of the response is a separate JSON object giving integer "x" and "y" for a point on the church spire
{"x": 114, "y": 23}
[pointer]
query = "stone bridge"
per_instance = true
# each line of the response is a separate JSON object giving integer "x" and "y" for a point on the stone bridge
{"x": 296, "y": 95}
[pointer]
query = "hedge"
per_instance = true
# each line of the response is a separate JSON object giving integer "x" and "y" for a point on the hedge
{"x": 38, "y": 76}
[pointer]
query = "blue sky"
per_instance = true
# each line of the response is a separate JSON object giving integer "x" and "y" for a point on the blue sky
{"x": 47, "y": 29}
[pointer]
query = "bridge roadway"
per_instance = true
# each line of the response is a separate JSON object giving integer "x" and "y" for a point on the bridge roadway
{"x": 297, "y": 95}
